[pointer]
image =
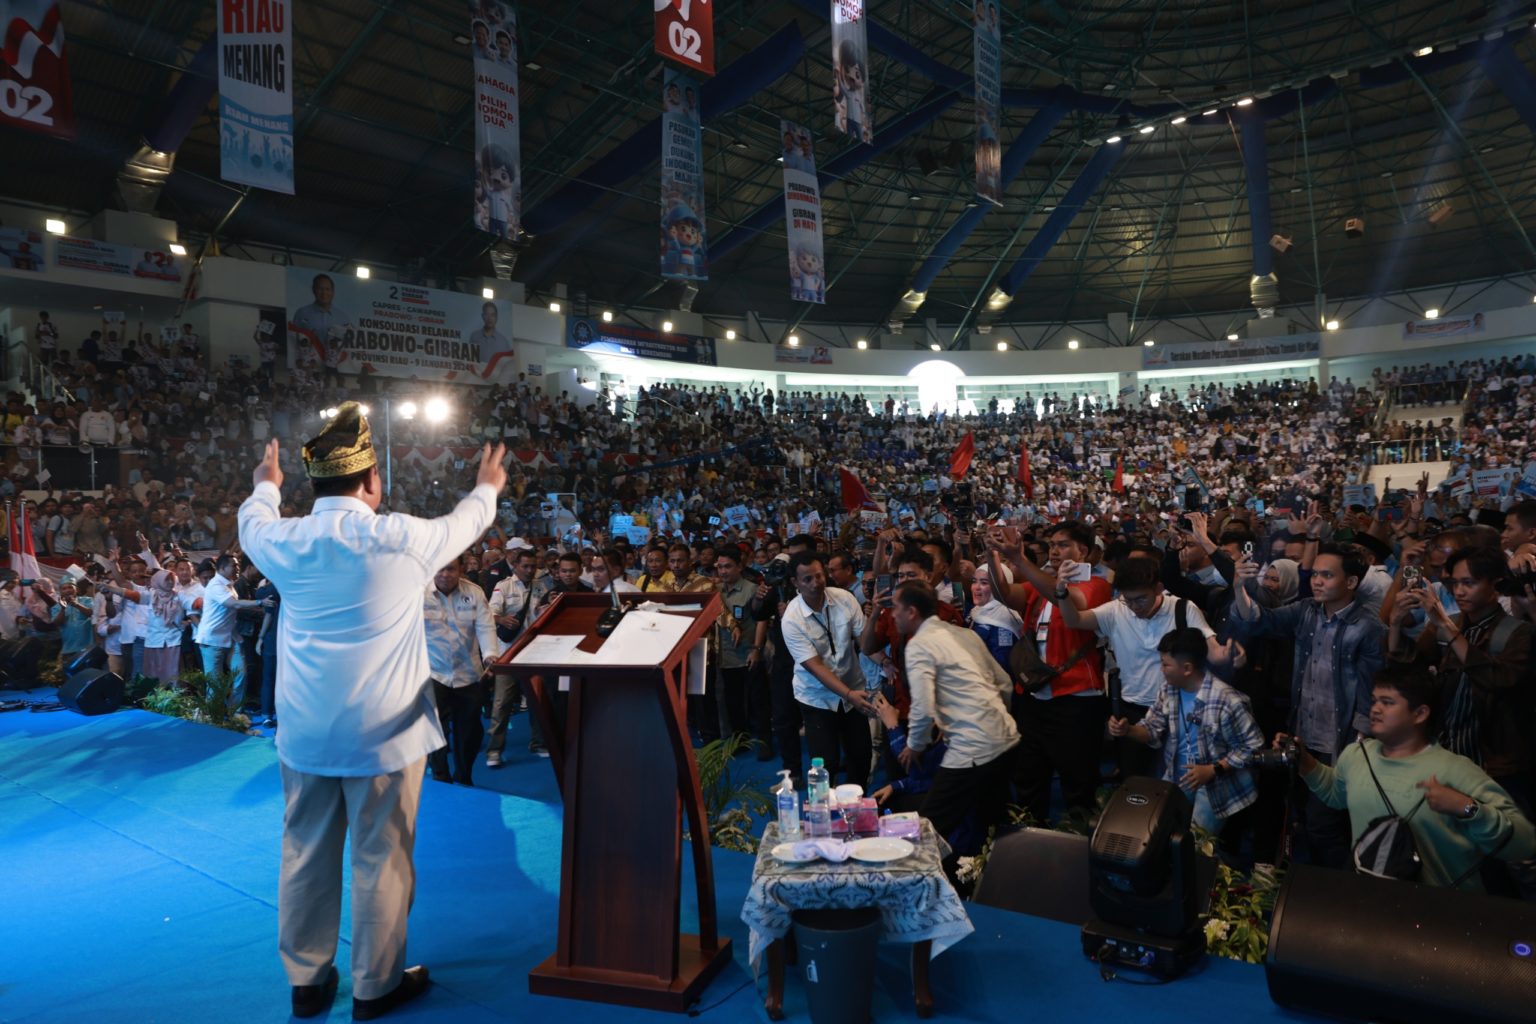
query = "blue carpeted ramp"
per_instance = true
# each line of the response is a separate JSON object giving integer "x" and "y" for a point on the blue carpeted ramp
{"x": 138, "y": 883}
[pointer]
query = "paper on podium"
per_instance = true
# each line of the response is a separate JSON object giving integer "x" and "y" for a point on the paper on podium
{"x": 549, "y": 650}
{"x": 642, "y": 638}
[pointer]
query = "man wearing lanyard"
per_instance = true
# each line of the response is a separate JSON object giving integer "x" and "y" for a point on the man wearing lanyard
{"x": 512, "y": 602}
{"x": 821, "y": 631}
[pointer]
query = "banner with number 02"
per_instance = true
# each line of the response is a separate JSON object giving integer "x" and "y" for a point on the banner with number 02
{"x": 34, "y": 74}
{"x": 685, "y": 32}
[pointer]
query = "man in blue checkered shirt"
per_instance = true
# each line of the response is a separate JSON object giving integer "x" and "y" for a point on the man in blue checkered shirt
{"x": 1205, "y": 729}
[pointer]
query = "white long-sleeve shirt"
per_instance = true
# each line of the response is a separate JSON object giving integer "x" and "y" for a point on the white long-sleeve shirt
{"x": 352, "y": 646}
{"x": 460, "y": 634}
{"x": 955, "y": 682}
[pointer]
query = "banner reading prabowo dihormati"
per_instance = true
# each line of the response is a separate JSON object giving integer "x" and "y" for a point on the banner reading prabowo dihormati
{"x": 850, "y": 70}
{"x": 339, "y": 324}
{"x": 34, "y": 73}
{"x": 684, "y": 254}
{"x": 802, "y": 215}
{"x": 256, "y": 93}
{"x": 988, "y": 56}
{"x": 498, "y": 145}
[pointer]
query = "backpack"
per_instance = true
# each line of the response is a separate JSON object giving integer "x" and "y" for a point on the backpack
{"x": 1387, "y": 848}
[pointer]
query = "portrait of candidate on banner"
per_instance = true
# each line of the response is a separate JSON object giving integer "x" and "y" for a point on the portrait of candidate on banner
{"x": 850, "y": 70}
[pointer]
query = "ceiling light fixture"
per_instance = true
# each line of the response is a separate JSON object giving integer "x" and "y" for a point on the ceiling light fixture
{"x": 364, "y": 273}
{"x": 1232, "y": 336}
{"x": 177, "y": 249}
{"x": 1149, "y": 343}
{"x": 861, "y": 344}
{"x": 730, "y": 334}
{"x": 1208, "y": 113}
{"x": 934, "y": 346}
{"x": 1072, "y": 344}
{"x": 1002, "y": 346}
{"x": 54, "y": 226}
{"x": 607, "y": 316}
{"x": 666, "y": 327}
{"x": 1431, "y": 313}
{"x": 1246, "y": 101}
{"x": 794, "y": 341}
{"x": 1179, "y": 120}
{"x": 1112, "y": 139}
{"x": 1424, "y": 51}
{"x": 1332, "y": 325}
{"x": 1147, "y": 129}
{"x": 554, "y": 307}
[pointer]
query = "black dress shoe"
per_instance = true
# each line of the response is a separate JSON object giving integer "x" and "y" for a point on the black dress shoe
{"x": 412, "y": 984}
{"x": 313, "y": 1000}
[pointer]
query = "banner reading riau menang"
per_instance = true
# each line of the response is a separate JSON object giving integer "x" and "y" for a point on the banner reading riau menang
{"x": 802, "y": 216}
{"x": 498, "y": 143}
{"x": 256, "y": 93}
{"x": 988, "y": 56}
{"x": 684, "y": 254}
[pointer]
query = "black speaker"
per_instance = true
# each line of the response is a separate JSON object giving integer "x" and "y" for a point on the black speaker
{"x": 1361, "y": 948}
{"x": 96, "y": 657}
{"x": 92, "y": 692}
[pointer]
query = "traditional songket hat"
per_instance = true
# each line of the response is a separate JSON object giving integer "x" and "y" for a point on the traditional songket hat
{"x": 343, "y": 448}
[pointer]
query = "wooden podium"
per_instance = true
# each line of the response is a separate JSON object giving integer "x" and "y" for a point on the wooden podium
{"x": 624, "y": 763}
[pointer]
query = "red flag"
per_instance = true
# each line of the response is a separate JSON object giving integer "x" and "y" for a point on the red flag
{"x": 15, "y": 546}
{"x": 1119, "y": 485}
{"x": 855, "y": 494}
{"x": 1024, "y": 476}
{"x": 961, "y": 460}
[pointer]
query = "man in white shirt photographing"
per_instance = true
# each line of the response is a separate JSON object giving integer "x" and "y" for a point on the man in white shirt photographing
{"x": 352, "y": 694}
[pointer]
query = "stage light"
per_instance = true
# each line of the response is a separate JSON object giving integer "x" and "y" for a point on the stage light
{"x": 1147, "y": 129}
{"x": 364, "y": 273}
{"x": 934, "y": 346}
{"x": 54, "y": 226}
{"x": 364, "y": 408}
{"x": 607, "y": 316}
{"x": 177, "y": 249}
{"x": 730, "y": 335}
{"x": 436, "y": 410}
{"x": 408, "y": 410}
{"x": 666, "y": 327}
{"x": 861, "y": 344}
{"x": 1002, "y": 346}
{"x": 1332, "y": 325}
{"x": 554, "y": 307}
{"x": 1424, "y": 51}
{"x": 1232, "y": 336}
{"x": 487, "y": 293}
{"x": 1431, "y": 313}
{"x": 327, "y": 414}
{"x": 1072, "y": 344}
{"x": 1246, "y": 101}
{"x": 1179, "y": 120}
{"x": 1149, "y": 343}
{"x": 794, "y": 341}
{"x": 1112, "y": 139}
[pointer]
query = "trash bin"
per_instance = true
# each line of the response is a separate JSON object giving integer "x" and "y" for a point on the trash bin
{"x": 837, "y": 957}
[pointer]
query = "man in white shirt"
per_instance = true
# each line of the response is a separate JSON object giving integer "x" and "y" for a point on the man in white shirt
{"x": 215, "y": 633}
{"x": 460, "y": 633}
{"x": 822, "y": 627}
{"x": 514, "y": 601}
{"x": 957, "y": 685}
{"x": 97, "y": 425}
{"x": 357, "y": 717}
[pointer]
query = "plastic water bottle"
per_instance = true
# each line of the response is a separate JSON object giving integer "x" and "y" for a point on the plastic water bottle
{"x": 789, "y": 809}
{"x": 818, "y": 811}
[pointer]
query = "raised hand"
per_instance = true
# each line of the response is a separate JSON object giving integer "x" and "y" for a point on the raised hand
{"x": 268, "y": 470}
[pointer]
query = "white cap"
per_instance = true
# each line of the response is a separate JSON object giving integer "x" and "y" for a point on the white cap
{"x": 518, "y": 544}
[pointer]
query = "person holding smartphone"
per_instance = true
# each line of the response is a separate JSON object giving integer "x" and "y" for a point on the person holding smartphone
{"x": 742, "y": 634}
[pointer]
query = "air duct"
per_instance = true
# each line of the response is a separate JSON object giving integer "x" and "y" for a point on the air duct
{"x": 144, "y": 174}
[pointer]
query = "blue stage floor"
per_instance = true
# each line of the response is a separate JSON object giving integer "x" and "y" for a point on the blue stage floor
{"x": 138, "y": 883}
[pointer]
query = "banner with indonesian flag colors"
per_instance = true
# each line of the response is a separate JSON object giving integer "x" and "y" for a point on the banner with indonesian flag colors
{"x": 498, "y": 141}
{"x": 685, "y": 32}
{"x": 34, "y": 72}
{"x": 256, "y": 93}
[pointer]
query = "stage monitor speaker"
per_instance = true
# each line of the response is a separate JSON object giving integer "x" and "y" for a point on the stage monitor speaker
{"x": 92, "y": 692}
{"x": 96, "y": 657}
{"x": 1371, "y": 949}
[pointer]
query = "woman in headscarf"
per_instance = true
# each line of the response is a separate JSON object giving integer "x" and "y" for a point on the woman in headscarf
{"x": 162, "y": 634}
{"x": 1279, "y": 584}
{"x": 998, "y": 625}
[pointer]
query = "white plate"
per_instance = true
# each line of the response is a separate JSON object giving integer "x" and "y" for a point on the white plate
{"x": 786, "y": 853}
{"x": 880, "y": 849}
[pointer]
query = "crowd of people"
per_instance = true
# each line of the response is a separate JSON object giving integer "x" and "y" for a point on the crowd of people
{"x": 1184, "y": 581}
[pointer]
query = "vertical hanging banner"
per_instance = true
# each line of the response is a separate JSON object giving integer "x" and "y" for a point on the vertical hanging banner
{"x": 802, "y": 216}
{"x": 256, "y": 93}
{"x": 683, "y": 254}
{"x": 498, "y": 145}
{"x": 988, "y": 56}
{"x": 34, "y": 74}
{"x": 850, "y": 70}
{"x": 685, "y": 32}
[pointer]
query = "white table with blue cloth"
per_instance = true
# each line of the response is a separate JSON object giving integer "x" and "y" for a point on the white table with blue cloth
{"x": 916, "y": 903}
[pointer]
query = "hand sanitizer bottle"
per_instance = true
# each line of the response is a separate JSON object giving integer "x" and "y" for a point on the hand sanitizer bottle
{"x": 789, "y": 809}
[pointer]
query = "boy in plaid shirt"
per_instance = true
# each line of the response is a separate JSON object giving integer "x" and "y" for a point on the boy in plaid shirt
{"x": 1205, "y": 729}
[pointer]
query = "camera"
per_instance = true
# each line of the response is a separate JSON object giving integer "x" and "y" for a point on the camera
{"x": 963, "y": 507}
{"x": 1515, "y": 584}
{"x": 777, "y": 571}
{"x": 1285, "y": 756}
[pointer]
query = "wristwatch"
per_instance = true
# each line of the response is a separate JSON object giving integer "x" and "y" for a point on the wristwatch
{"x": 1221, "y": 768}
{"x": 1470, "y": 811}
{"x": 1061, "y": 593}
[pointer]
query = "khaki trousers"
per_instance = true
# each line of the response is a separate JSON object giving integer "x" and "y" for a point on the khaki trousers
{"x": 380, "y": 812}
